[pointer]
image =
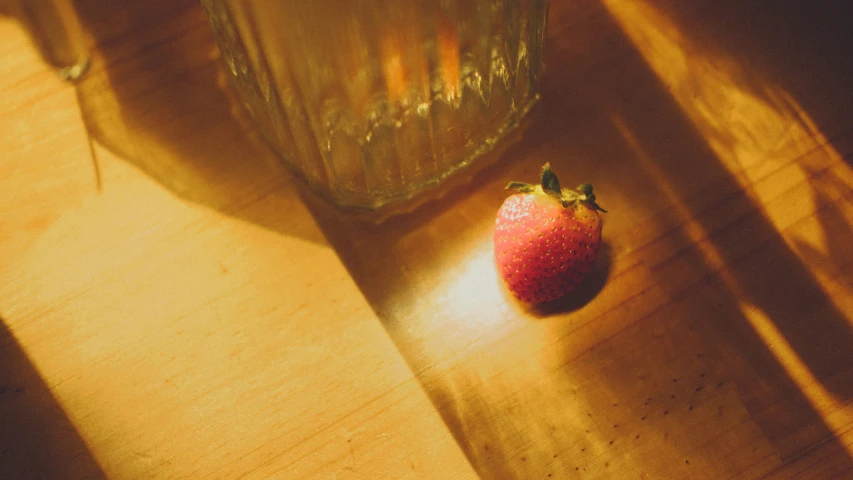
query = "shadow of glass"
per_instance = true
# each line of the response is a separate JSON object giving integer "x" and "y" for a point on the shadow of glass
{"x": 10, "y": 8}
{"x": 37, "y": 440}
{"x": 572, "y": 392}
{"x": 156, "y": 96}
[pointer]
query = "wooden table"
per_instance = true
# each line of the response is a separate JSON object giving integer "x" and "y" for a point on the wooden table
{"x": 174, "y": 305}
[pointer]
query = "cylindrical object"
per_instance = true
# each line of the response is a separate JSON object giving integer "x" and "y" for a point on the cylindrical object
{"x": 374, "y": 102}
{"x": 56, "y": 31}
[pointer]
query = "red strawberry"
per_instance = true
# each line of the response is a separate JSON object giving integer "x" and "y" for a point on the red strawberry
{"x": 546, "y": 238}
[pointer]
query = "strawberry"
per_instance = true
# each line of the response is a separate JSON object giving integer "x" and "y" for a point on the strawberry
{"x": 546, "y": 238}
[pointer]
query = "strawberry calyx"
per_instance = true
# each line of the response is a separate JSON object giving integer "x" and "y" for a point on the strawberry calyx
{"x": 550, "y": 185}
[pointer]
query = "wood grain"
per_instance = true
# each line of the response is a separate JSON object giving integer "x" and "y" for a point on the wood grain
{"x": 202, "y": 315}
{"x": 176, "y": 324}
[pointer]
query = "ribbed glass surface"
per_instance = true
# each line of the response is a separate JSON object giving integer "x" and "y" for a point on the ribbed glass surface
{"x": 374, "y": 102}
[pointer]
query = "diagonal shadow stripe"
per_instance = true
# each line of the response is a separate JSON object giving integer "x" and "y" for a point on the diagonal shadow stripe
{"x": 37, "y": 439}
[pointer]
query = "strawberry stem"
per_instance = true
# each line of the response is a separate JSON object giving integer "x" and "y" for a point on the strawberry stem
{"x": 551, "y": 186}
{"x": 583, "y": 194}
{"x": 590, "y": 200}
{"x": 550, "y": 183}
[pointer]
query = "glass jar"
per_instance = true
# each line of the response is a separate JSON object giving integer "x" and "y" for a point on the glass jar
{"x": 375, "y": 102}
